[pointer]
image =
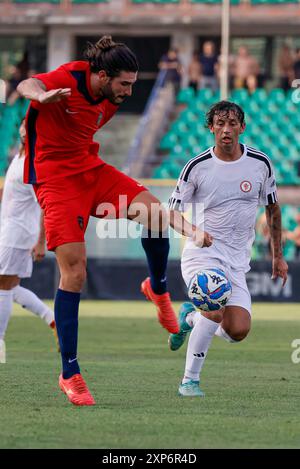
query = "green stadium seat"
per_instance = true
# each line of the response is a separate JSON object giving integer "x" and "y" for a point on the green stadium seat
{"x": 277, "y": 95}
{"x": 168, "y": 141}
{"x": 259, "y": 96}
{"x": 186, "y": 95}
{"x": 214, "y": 2}
{"x": 264, "y": 2}
{"x": 90, "y": 1}
{"x": 155, "y": 1}
{"x": 37, "y": 1}
{"x": 272, "y": 126}
{"x": 11, "y": 117}
{"x": 240, "y": 96}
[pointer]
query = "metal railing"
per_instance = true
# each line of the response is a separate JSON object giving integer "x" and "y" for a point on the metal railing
{"x": 133, "y": 153}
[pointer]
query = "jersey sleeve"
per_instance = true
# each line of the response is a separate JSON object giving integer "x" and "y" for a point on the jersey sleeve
{"x": 182, "y": 194}
{"x": 268, "y": 194}
{"x": 58, "y": 78}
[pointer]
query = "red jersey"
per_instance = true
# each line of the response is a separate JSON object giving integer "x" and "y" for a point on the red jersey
{"x": 59, "y": 139}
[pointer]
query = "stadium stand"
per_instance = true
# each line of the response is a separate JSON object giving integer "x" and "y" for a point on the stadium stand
{"x": 60, "y": 1}
{"x": 215, "y": 2}
{"x": 260, "y": 249}
{"x": 155, "y": 1}
{"x": 272, "y": 122}
{"x": 37, "y": 1}
{"x": 10, "y": 118}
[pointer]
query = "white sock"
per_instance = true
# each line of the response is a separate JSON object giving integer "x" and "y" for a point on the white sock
{"x": 2, "y": 351}
{"x": 192, "y": 318}
{"x": 27, "y": 299}
{"x": 223, "y": 334}
{"x": 199, "y": 342}
{"x": 6, "y": 302}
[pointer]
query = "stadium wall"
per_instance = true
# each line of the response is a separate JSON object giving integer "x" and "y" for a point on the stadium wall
{"x": 113, "y": 279}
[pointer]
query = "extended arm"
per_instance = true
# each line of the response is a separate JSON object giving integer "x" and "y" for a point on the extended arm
{"x": 280, "y": 267}
{"x": 182, "y": 226}
{"x": 35, "y": 90}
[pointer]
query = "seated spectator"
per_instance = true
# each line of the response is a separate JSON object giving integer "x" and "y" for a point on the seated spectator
{"x": 295, "y": 236}
{"x": 296, "y": 66}
{"x": 285, "y": 65}
{"x": 244, "y": 65}
{"x": 264, "y": 245}
{"x": 251, "y": 84}
{"x": 194, "y": 72}
{"x": 208, "y": 62}
{"x": 171, "y": 63}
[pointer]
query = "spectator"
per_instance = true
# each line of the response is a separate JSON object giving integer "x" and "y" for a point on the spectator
{"x": 244, "y": 65}
{"x": 264, "y": 245}
{"x": 208, "y": 62}
{"x": 194, "y": 72}
{"x": 296, "y": 66}
{"x": 12, "y": 83}
{"x": 285, "y": 65}
{"x": 171, "y": 63}
{"x": 251, "y": 83}
{"x": 295, "y": 236}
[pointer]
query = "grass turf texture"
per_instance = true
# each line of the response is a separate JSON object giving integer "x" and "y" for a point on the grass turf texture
{"x": 252, "y": 388}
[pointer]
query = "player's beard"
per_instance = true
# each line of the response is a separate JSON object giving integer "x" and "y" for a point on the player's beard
{"x": 110, "y": 95}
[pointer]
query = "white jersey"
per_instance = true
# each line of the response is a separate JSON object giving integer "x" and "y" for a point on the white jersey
{"x": 20, "y": 211}
{"x": 224, "y": 197}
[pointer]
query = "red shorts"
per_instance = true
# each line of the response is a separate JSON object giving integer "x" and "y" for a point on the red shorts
{"x": 69, "y": 202}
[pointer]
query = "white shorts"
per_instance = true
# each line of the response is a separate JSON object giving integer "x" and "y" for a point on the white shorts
{"x": 14, "y": 261}
{"x": 240, "y": 294}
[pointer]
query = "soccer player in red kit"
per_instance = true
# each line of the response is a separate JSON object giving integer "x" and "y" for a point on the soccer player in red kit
{"x": 68, "y": 106}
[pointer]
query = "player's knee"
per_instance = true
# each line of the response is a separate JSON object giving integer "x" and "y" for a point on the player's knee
{"x": 8, "y": 282}
{"x": 73, "y": 278}
{"x": 239, "y": 334}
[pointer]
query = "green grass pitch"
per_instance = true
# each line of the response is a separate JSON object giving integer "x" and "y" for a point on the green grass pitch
{"x": 252, "y": 388}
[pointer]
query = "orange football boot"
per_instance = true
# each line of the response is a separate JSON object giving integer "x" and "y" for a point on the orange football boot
{"x": 166, "y": 314}
{"x": 76, "y": 390}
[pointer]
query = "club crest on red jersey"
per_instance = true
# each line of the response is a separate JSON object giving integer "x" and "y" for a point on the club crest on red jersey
{"x": 246, "y": 186}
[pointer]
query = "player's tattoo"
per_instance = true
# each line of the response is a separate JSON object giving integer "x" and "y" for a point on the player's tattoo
{"x": 273, "y": 214}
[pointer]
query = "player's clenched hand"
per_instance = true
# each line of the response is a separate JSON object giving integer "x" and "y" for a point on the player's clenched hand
{"x": 38, "y": 252}
{"x": 280, "y": 269}
{"x": 202, "y": 239}
{"x": 53, "y": 96}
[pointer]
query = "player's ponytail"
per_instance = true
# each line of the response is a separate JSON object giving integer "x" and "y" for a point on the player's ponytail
{"x": 112, "y": 57}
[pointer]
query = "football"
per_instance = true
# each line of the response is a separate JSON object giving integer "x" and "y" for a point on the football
{"x": 210, "y": 290}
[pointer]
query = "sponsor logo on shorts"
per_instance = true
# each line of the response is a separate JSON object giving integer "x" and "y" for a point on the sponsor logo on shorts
{"x": 246, "y": 186}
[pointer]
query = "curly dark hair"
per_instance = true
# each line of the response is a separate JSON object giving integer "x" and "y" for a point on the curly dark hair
{"x": 225, "y": 107}
{"x": 112, "y": 57}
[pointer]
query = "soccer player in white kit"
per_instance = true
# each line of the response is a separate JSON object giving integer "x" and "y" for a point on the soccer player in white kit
{"x": 21, "y": 237}
{"x": 224, "y": 186}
